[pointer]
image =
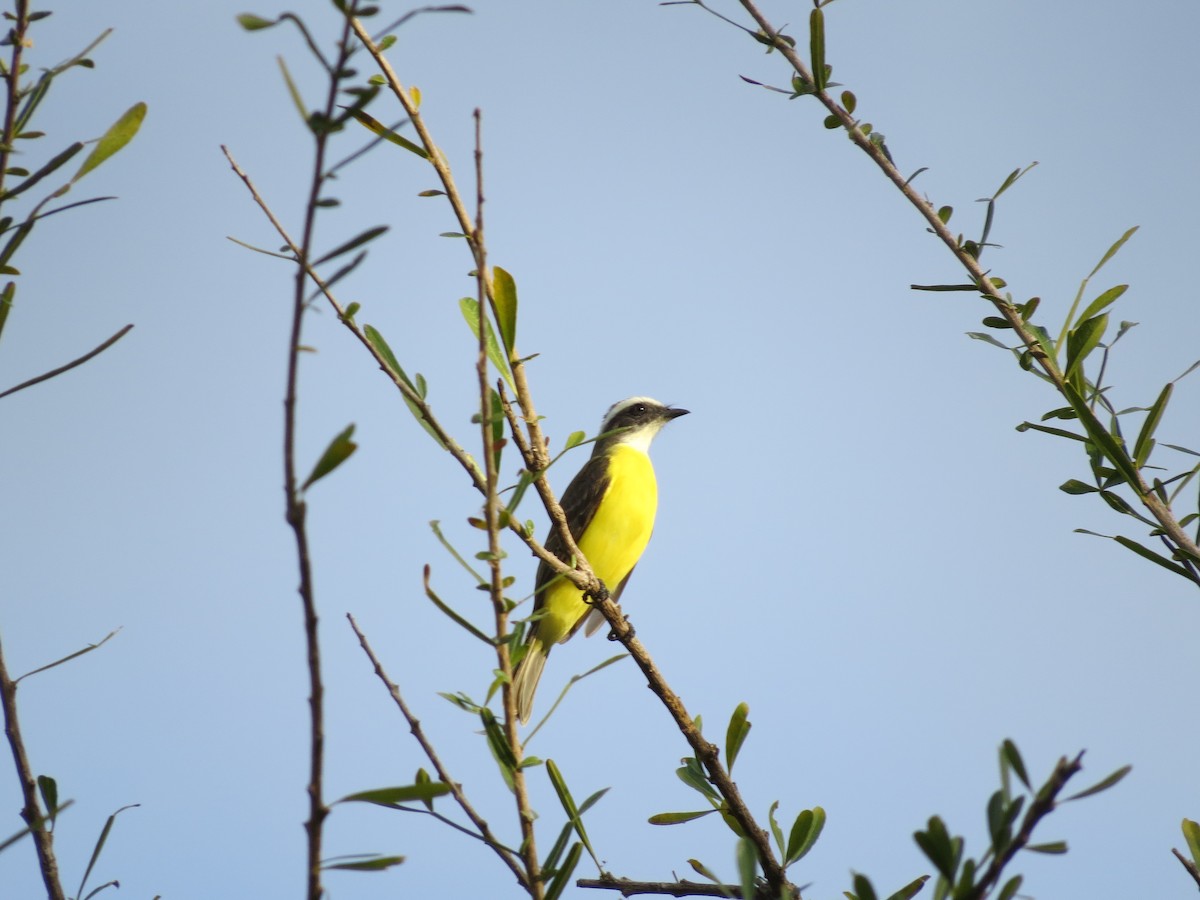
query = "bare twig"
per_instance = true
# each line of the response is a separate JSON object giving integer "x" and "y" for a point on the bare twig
{"x": 72, "y": 364}
{"x": 414, "y": 724}
{"x": 43, "y": 839}
{"x": 1189, "y": 865}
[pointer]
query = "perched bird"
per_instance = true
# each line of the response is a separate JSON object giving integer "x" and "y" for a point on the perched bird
{"x": 610, "y": 507}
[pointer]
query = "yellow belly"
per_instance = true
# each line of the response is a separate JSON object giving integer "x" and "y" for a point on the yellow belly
{"x": 613, "y": 541}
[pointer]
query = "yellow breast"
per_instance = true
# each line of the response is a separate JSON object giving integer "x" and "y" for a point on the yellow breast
{"x": 613, "y": 541}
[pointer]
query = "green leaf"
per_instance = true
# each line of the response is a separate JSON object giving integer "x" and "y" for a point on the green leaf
{"x": 850, "y": 102}
{"x": 986, "y": 338}
{"x": 392, "y": 366}
{"x": 386, "y": 133}
{"x": 367, "y": 862}
{"x": 863, "y": 889}
{"x": 935, "y": 843}
{"x": 569, "y": 807}
{"x": 776, "y": 831}
{"x": 118, "y": 135}
{"x": 747, "y": 863}
{"x": 563, "y": 876}
{"x": 424, "y": 791}
{"x": 1077, "y": 487}
{"x": 674, "y": 818}
{"x": 910, "y": 890}
{"x": 1010, "y": 759}
{"x": 1147, "y": 553}
{"x": 703, "y": 870}
{"x": 1099, "y": 786}
{"x": 805, "y": 831}
{"x": 469, "y": 307}
{"x": 1083, "y": 340}
{"x": 996, "y": 322}
{"x": 1010, "y": 888}
{"x": 369, "y": 235}
{"x": 502, "y": 751}
{"x": 52, "y": 166}
{"x": 338, "y": 451}
{"x": 1012, "y": 179}
{"x": 1144, "y": 445}
{"x": 1101, "y": 437}
{"x": 100, "y": 842}
{"x": 48, "y": 788}
{"x": 251, "y": 22}
{"x": 1103, "y": 301}
{"x": 816, "y": 48}
{"x": 693, "y": 776}
{"x": 1058, "y": 432}
{"x": 735, "y": 734}
{"x": 1112, "y": 251}
{"x": 1191, "y": 833}
{"x": 1051, "y": 847}
{"x": 504, "y": 290}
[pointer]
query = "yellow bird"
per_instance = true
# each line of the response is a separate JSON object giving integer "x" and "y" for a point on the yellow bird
{"x": 610, "y": 507}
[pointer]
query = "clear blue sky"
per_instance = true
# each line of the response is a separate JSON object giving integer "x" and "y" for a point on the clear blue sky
{"x": 852, "y": 536}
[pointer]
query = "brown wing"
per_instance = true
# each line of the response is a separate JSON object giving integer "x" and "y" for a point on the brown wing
{"x": 579, "y": 502}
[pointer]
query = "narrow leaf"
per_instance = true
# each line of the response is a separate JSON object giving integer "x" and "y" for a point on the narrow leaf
{"x": 816, "y": 47}
{"x": 674, "y": 818}
{"x": 1010, "y": 758}
{"x": 251, "y": 22}
{"x": 1103, "y": 785}
{"x": 1112, "y": 251}
{"x": 747, "y": 863}
{"x": 118, "y": 135}
{"x": 1051, "y": 847}
{"x": 910, "y": 890}
{"x": 569, "y": 807}
{"x": 735, "y": 734}
{"x": 390, "y": 796}
{"x": 339, "y": 450}
{"x": 369, "y": 235}
{"x": 377, "y": 127}
{"x": 1103, "y": 301}
{"x": 1144, "y": 444}
{"x": 1083, "y": 340}
{"x": 504, "y": 290}
{"x": 1191, "y": 833}
{"x": 469, "y": 307}
{"x": 563, "y": 876}
{"x": 369, "y": 863}
{"x": 1077, "y": 487}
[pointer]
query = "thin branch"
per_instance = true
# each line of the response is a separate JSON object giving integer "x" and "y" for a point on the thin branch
{"x": 75, "y": 362}
{"x": 456, "y": 790}
{"x": 1160, "y": 510}
{"x": 43, "y": 839}
{"x": 629, "y": 888}
{"x": 1189, "y": 865}
{"x": 525, "y": 813}
{"x": 1042, "y": 805}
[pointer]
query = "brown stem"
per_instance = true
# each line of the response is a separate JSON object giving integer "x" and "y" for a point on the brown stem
{"x": 72, "y": 364}
{"x": 43, "y": 839}
{"x": 414, "y": 725}
{"x": 1160, "y": 510}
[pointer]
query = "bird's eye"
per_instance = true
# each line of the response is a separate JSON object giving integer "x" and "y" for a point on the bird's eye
{"x": 638, "y": 409}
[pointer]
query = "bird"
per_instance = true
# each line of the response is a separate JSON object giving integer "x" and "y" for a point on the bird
{"x": 610, "y": 507}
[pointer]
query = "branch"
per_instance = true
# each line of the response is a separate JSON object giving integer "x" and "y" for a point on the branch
{"x": 456, "y": 790}
{"x": 76, "y": 362}
{"x": 43, "y": 839}
{"x": 630, "y": 888}
{"x": 1043, "y": 804}
{"x": 1188, "y": 864}
{"x": 1158, "y": 508}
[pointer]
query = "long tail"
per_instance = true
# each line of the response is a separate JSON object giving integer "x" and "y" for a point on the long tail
{"x": 525, "y": 679}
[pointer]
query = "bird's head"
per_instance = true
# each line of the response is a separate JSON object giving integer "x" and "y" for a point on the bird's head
{"x": 636, "y": 421}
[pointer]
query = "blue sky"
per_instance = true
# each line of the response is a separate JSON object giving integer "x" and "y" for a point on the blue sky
{"x": 852, "y": 537}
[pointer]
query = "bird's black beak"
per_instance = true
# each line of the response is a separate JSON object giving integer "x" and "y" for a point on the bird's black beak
{"x": 676, "y": 413}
